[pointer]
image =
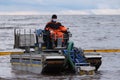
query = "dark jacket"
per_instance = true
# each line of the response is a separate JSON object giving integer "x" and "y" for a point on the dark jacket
{"x": 53, "y": 25}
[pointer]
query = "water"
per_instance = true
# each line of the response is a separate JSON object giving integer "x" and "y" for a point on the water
{"x": 89, "y": 32}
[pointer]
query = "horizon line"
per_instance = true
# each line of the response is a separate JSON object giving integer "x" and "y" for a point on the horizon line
{"x": 66, "y": 12}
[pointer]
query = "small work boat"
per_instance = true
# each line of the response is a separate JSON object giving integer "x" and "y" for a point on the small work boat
{"x": 61, "y": 57}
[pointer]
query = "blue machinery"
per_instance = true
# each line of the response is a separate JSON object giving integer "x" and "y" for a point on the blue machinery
{"x": 74, "y": 56}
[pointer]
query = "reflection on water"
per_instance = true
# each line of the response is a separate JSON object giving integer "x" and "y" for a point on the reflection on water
{"x": 5, "y": 67}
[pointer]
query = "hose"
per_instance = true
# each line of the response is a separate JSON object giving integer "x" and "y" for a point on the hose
{"x": 69, "y": 48}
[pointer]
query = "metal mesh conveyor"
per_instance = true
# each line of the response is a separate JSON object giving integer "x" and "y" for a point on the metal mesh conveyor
{"x": 24, "y": 39}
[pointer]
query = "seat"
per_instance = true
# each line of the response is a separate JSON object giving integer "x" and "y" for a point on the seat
{"x": 51, "y": 43}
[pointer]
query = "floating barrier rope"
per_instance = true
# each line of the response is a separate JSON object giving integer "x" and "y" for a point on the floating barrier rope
{"x": 103, "y": 50}
{"x": 8, "y": 53}
{"x": 89, "y": 50}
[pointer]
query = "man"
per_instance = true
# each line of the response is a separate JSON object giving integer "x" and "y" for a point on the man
{"x": 56, "y": 30}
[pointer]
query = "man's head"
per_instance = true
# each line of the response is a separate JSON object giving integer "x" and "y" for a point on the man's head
{"x": 54, "y": 18}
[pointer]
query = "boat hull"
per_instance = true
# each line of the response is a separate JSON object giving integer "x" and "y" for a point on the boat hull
{"x": 37, "y": 63}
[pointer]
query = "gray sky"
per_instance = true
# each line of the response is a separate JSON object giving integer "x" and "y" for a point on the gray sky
{"x": 60, "y": 7}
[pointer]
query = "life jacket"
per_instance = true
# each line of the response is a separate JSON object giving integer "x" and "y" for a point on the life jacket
{"x": 53, "y": 25}
{"x": 56, "y": 30}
